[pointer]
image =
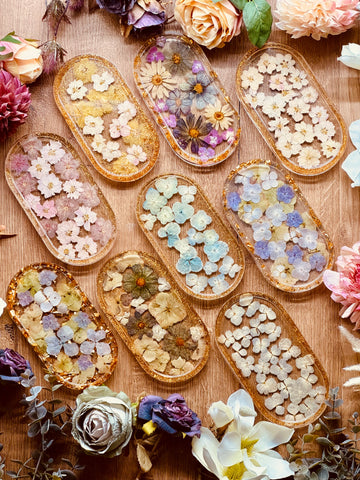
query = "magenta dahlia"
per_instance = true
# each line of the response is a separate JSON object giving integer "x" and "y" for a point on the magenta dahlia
{"x": 15, "y": 102}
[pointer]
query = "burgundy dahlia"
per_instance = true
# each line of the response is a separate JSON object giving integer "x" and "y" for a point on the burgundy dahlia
{"x": 15, "y": 102}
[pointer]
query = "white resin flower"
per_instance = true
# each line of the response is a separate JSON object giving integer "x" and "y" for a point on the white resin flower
{"x": 255, "y": 99}
{"x": 265, "y": 386}
{"x": 262, "y": 367}
{"x": 119, "y": 128}
{"x": 306, "y": 130}
{"x": 76, "y": 90}
{"x": 49, "y": 185}
{"x": 309, "y": 95}
{"x": 324, "y": 130}
{"x": 277, "y": 126}
{"x": 229, "y": 267}
{"x": 148, "y": 220}
{"x": 288, "y": 145}
{"x": 281, "y": 370}
{"x": 47, "y": 299}
{"x": 98, "y": 144}
{"x": 136, "y": 155}
{"x": 67, "y": 232}
{"x": 67, "y": 251}
{"x": 330, "y": 148}
{"x": 298, "y": 79}
{"x": 93, "y": 125}
{"x": 73, "y": 188}
{"x": 297, "y": 108}
{"x": 267, "y": 63}
{"x": 284, "y": 63}
{"x": 127, "y": 110}
{"x": 260, "y": 344}
{"x": 85, "y": 217}
{"x": 85, "y": 247}
{"x": 111, "y": 151}
{"x": 158, "y": 333}
{"x": 235, "y": 314}
{"x": 252, "y": 79}
{"x": 246, "y": 365}
{"x": 318, "y": 114}
{"x": 52, "y": 152}
{"x": 309, "y": 157}
{"x": 274, "y": 106}
{"x": 39, "y": 168}
{"x": 219, "y": 115}
{"x": 198, "y": 283}
{"x": 278, "y": 82}
{"x": 102, "y": 82}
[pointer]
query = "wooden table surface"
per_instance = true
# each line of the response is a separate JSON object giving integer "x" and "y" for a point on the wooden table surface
{"x": 330, "y": 194}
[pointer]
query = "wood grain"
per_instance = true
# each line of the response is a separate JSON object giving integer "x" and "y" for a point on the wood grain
{"x": 331, "y": 196}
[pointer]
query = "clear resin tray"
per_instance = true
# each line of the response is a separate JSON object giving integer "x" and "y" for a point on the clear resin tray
{"x": 61, "y": 199}
{"x": 290, "y": 109}
{"x": 277, "y": 226}
{"x": 187, "y": 100}
{"x": 63, "y": 327}
{"x": 105, "y": 118}
{"x": 190, "y": 237}
{"x": 152, "y": 316}
{"x": 272, "y": 360}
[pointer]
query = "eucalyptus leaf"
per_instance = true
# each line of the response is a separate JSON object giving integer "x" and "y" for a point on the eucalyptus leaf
{"x": 258, "y": 21}
{"x": 239, "y": 4}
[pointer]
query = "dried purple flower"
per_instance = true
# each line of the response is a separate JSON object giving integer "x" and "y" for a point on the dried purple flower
{"x": 25, "y": 298}
{"x": 76, "y": 5}
{"x": 12, "y": 365}
{"x": 55, "y": 13}
{"x": 53, "y": 54}
{"x": 146, "y": 13}
{"x": 119, "y": 7}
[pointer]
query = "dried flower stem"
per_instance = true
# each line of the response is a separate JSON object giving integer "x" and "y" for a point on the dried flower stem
{"x": 152, "y": 454}
{"x": 61, "y": 18}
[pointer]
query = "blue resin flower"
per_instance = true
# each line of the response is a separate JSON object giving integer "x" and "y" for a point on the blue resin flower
{"x": 94, "y": 342}
{"x": 171, "y": 231}
{"x": 210, "y": 268}
{"x": 262, "y": 249}
{"x": 308, "y": 238}
{"x": 261, "y": 231}
{"x": 317, "y": 261}
{"x": 233, "y": 201}
{"x": 154, "y": 201}
{"x": 192, "y": 265}
{"x": 252, "y": 192}
{"x": 165, "y": 215}
{"x": 178, "y": 103}
{"x": 276, "y": 214}
{"x": 301, "y": 270}
{"x": 219, "y": 284}
{"x": 294, "y": 254}
{"x": 50, "y": 322}
{"x": 167, "y": 186}
{"x": 217, "y": 250}
{"x": 251, "y": 215}
{"x": 61, "y": 341}
{"x": 210, "y": 236}
{"x": 277, "y": 249}
{"x": 46, "y": 277}
{"x": 182, "y": 212}
{"x": 194, "y": 237}
{"x": 200, "y": 220}
{"x": 199, "y": 89}
{"x": 285, "y": 193}
{"x": 294, "y": 219}
{"x": 82, "y": 319}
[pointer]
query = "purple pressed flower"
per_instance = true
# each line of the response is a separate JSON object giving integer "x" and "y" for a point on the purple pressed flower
{"x": 89, "y": 196}
{"x": 170, "y": 121}
{"x": 19, "y": 163}
{"x": 102, "y": 231}
{"x": 161, "y": 106}
{"x": 294, "y": 219}
{"x": 25, "y": 298}
{"x": 61, "y": 341}
{"x": 285, "y": 193}
{"x": 294, "y": 254}
{"x": 50, "y": 227}
{"x": 84, "y": 362}
{"x": 233, "y": 201}
{"x": 12, "y": 365}
{"x": 154, "y": 55}
{"x": 213, "y": 138}
{"x": 199, "y": 89}
{"x": 171, "y": 415}
{"x": 262, "y": 249}
{"x": 46, "y": 277}
{"x": 67, "y": 168}
{"x": 178, "y": 103}
{"x": 119, "y": 7}
{"x": 50, "y": 322}
{"x": 82, "y": 319}
{"x": 206, "y": 153}
{"x": 197, "y": 67}
{"x": 26, "y": 183}
{"x": 317, "y": 261}
{"x": 192, "y": 130}
{"x": 94, "y": 343}
{"x": 146, "y": 14}
{"x": 66, "y": 208}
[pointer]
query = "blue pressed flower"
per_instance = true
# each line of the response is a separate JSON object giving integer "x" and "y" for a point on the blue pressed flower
{"x": 186, "y": 266}
{"x": 294, "y": 219}
{"x": 285, "y": 193}
{"x": 165, "y": 215}
{"x": 154, "y": 201}
{"x": 233, "y": 201}
{"x": 210, "y": 268}
{"x": 82, "y": 319}
{"x": 46, "y": 277}
{"x": 171, "y": 231}
{"x": 317, "y": 261}
{"x": 167, "y": 186}
{"x": 210, "y": 236}
{"x": 252, "y": 192}
{"x": 200, "y": 220}
{"x": 215, "y": 251}
{"x": 50, "y": 322}
{"x": 200, "y": 90}
{"x": 178, "y": 103}
{"x": 294, "y": 254}
{"x": 194, "y": 237}
{"x": 61, "y": 341}
{"x": 261, "y": 231}
{"x": 94, "y": 342}
{"x": 25, "y": 298}
{"x": 277, "y": 249}
{"x": 301, "y": 270}
{"x": 84, "y": 362}
{"x": 219, "y": 284}
{"x": 276, "y": 214}
{"x": 308, "y": 238}
{"x": 187, "y": 253}
{"x": 182, "y": 212}
{"x": 262, "y": 249}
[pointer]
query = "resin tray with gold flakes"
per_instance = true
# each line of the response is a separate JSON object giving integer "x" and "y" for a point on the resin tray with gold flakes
{"x": 154, "y": 319}
{"x": 187, "y": 100}
{"x": 277, "y": 226}
{"x": 105, "y": 118}
{"x": 274, "y": 363}
{"x": 63, "y": 327}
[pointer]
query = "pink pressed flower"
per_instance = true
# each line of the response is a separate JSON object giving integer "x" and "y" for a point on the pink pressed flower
{"x": 154, "y": 55}
{"x": 45, "y": 210}
{"x": 50, "y": 227}
{"x": 66, "y": 208}
{"x": 171, "y": 121}
{"x": 67, "y": 232}
{"x": 102, "y": 231}
{"x": 161, "y": 106}
{"x": 32, "y": 200}
{"x": 318, "y": 18}
{"x": 26, "y": 184}
{"x": 89, "y": 196}
{"x": 19, "y": 163}
{"x": 229, "y": 136}
{"x": 345, "y": 283}
{"x": 85, "y": 247}
{"x": 67, "y": 168}
{"x": 32, "y": 146}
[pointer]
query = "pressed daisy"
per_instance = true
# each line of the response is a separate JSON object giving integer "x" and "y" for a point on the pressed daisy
{"x": 85, "y": 247}
{"x": 119, "y": 128}
{"x": 52, "y": 152}
{"x": 324, "y": 130}
{"x": 274, "y": 106}
{"x": 252, "y": 78}
{"x": 220, "y": 116}
{"x": 85, "y": 217}
{"x": 287, "y": 146}
{"x": 39, "y": 168}
{"x": 177, "y": 58}
{"x": 76, "y": 90}
{"x": 298, "y": 79}
{"x": 67, "y": 251}
{"x": 99, "y": 142}
{"x": 309, "y": 95}
{"x": 140, "y": 281}
{"x": 199, "y": 89}
{"x": 191, "y": 130}
{"x": 127, "y": 110}
{"x": 178, "y": 342}
{"x": 318, "y": 114}
{"x": 93, "y": 125}
{"x": 306, "y": 130}
{"x": 46, "y": 210}
{"x": 255, "y": 99}
{"x": 178, "y": 103}
{"x": 66, "y": 207}
{"x": 68, "y": 168}
{"x": 156, "y": 80}
{"x": 102, "y": 230}
{"x": 67, "y": 232}
{"x": 266, "y": 64}
{"x": 297, "y": 108}
{"x": 136, "y": 155}
{"x": 49, "y": 185}
{"x": 278, "y": 82}
{"x": 330, "y": 148}
{"x": 73, "y": 188}
{"x": 309, "y": 158}
{"x": 102, "y": 82}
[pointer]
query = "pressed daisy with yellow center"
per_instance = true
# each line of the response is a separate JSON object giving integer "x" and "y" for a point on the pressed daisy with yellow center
{"x": 219, "y": 115}
{"x": 140, "y": 282}
{"x": 141, "y": 325}
{"x": 193, "y": 133}
{"x": 180, "y": 342}
{"x": 157, "y": 80}
{"x": 198, "y": 88}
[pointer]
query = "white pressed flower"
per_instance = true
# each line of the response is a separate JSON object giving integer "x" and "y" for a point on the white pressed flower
{"x": 49, "y": 185}
{"x": 236, "y": 346}
{"x": 288, "y": 94}
{"x": 306, "y": 130}
{"x": 67, "y": 232}
{"x": 273, "y": 401}
{"x": 158, "y": 333}
{"x": 266, "y": 64}
{"x": 245, "y": 299}
{"x": 127, "y": 110}
{"x": 330, "y": 148}
{"x": 85, "y": 247}
{"x": 241, "y": 332}
{"x": 98, "y": 144}
{"x": 298, "y": 79}
{"x": 148, "y": 220}
{"x": 52, "y": 152}
{"x": 309, "y": 158}
{"x": 265, "y": 386}
{"x": 93, "y": 125}
{"x": 255, "y": 99}
{"x": 260, "y": 344}
{"x": 73, "y": 189}
{"x": 85, "y": 217}
{"x": 136, "y": 155}
{"x": 324, "y": 130}
{"x": 252, "y": 79}
{"x": 102, "y": 82}
{"x": 246, "y": 365}
{"x": 278, "y": 82}
{"x": 39, "y": 168}
{"x": 262, "y": 367}
{"x": 67, "y": 251}
{"x": 303, "y": 362}
{"x": 76, "y": 90}
{"x": 198, "y": 283}
{"x": 284, "y": 63}
{"x": 235, "y": 314}
{"x": 119, "y": 128}
{"x": 281, "y": 370}
{"x": 278, "y": 125}
{"x": 318, "y": 114}
{"x": 274, "y": 106}
{"x": 246, "y": 341}
{"x": 297, "y": 108}
{"x": 309, "y": 95}
{"x": 196, "y": 333}
{"x": 252, "y": 309}
{"x": 221, "y": 339}
{"x": 163, "y": 285}
{"x": 287, "y": 146}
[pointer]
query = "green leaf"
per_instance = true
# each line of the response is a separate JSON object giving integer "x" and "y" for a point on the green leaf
{"x": 9, "y": 38}
{"x": 239, "y": 4}
{"x": 6, "y": 56}
{"x": 258, "y": 20}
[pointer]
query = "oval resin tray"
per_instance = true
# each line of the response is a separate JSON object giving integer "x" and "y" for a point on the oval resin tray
{"x": 190, "y": 237}
{"x": 143, "y": 303}
{"x": 272, "y": 360}
{"x": 63, "y": 327}
{"x": 61, "y": 199}
{"x": 277, "y": 226}
{"x": 187, "y": 100}
{"x": 290, "y": 109}
{"x": 105, "y": 118}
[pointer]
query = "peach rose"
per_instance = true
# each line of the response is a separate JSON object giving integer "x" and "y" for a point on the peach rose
{"x": 207, "y": 23}
{"x": 26, "y": 62}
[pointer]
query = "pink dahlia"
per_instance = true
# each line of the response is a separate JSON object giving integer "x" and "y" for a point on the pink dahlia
{"x": 318, "y": 18}
{"x": 15, "y": 101}
{"x": 345, "y": 283}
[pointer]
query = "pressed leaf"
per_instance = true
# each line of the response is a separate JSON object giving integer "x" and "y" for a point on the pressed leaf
{"x": 239, "y": 4}
{"x": 324, "y": 441}
{"x": 143, "y": 458}
{"x": 9, "y": 38}
{"x": 258, "y": 21}
{"x": 59, "y": 411}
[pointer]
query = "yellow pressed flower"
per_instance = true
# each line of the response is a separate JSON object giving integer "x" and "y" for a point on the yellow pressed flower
{"x": 220, "y": 116}
{"x": 156, "y": 80}
{"x": 281, "y": 271}
{"x": 84, "y": 70}
{"x": 289, "y": 207}
{"x": 63, "y": 363}
{"x": 31, "y": 321}
{"x": 122, "y": 166}
{"x": 152, "y": 353}
{"x": 29, "y": 281}
{"x": 80, "y": 110}
{"x": 308, "y": 221}
{"x": 280, "y": 233}
{"x": 70, "y": 296}
{"x": 167, "y": 309}
{"x": 113, "y": 95}
{"x": 84, "y": 376}
{"x": 139, "y": 134}
{"x": 102, "y": 363}
{"x": 181, "y": 366}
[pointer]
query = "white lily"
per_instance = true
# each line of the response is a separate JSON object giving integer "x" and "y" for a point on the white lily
{"x": 350, "y": 55}
{"x": 245, "y": 451}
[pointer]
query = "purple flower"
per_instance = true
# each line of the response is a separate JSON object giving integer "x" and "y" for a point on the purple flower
{"x": 294, "y": 254}
{"x": 262, "y": 249}
{"x": 84, "y": 362}
{"x": 46, "y": 277}
{"x": 206, "y": 153}
{"x": 154, "y": 55}
{"x": 285, "y": 193}
{"x": 294, "y": 219}
{"x": 50, "y": 322}
{"x": 82, "y": 319}
{"x": 161, "y": 106}
{"x": 171, "y": 121}
{"x": 171, "y": 415}
{"x": 317, "y": 261}
{"x": 12, "y": 365}
{"x": 233, "y": 201}
{"x": 119, "y": 7}
{"x": 197, "y": 67}
{"x": 213, "y": 138}
{"x": 25, "y": 298}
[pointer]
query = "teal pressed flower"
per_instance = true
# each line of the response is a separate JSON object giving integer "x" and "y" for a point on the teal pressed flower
{"x": 171, "y": 231}
{"x": 186, "y": 266}
{"x": 165, "y": 215}
{"x": 216, "y": 250}
{"x": 194, "y": 237}
{"x": 200, "y": 90}
{"x": 210, "y": 236}
{"x": 210, "y": 268}
{"x": 167, "y": 186}
{"x": 200, "y": 220}
{"x": 182, "y": 212}
{"x": 154, "y": 201}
